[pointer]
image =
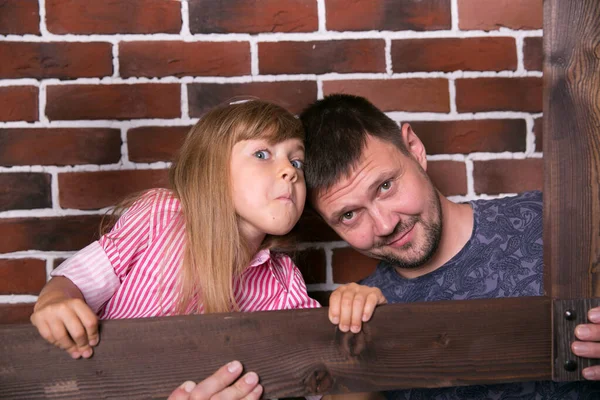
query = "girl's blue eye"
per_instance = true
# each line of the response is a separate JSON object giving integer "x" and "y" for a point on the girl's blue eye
{"x": 298, "y": 164}
{"x": 262, "y": 154}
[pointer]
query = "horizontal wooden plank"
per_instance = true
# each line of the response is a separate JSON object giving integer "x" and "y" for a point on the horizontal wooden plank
{"x": 294, "y": 352}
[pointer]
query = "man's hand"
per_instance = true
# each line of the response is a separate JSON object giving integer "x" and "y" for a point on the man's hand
{"x": 352, "y": 304}
{"x": 589, "y": 334}
{"x": 221, "y": 385}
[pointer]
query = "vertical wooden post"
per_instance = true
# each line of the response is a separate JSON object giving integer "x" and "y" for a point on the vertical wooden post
{"x": 572, "y": 170}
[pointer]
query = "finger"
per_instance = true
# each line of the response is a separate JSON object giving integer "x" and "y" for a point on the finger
{"x": 183, "y": 391}
{"x": 62, "y": 338}
{"x": 77, "y": 332}
{"x": 255, "y": 394}
{"x": 334, "y": 306}
{"x": 586, "y": 349}
{"x": 346, "y": 311}
{"x": 89, "y": 321}
{"x": 589, "y": 332}
{"x": 358, "y": 305}
{"x": 44, "y": 330}
{"x": 370, "y": 304}
{"x": 591, "y": 373}
{"x": 240, "y": 389}
{"x": 594, "y": 315}
{"x": 218, "y": 381}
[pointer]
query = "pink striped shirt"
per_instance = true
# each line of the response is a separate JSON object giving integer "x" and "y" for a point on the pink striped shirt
{"x": 131, "y": 272}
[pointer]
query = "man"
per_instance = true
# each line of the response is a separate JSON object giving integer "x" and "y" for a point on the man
{"x": 366, "y": 177}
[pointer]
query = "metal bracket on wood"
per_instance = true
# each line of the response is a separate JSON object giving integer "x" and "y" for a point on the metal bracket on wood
{"x": 566, "y": 315}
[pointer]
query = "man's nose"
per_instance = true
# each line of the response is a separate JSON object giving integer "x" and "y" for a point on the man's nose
{"x": 384, "y": 221}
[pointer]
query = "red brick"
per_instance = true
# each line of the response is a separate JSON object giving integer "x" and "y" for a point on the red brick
{"x": 242, "y": 16}
{"x": 508, "y": 176}
{"x": 388, "y": 15}
{"x": 533, "y": 53}
{"x": 25, "y": 190}
{"x": 19, "y": 17}
{"x": 18, "y": 103}
{"x": 312, "y": 228}
{"x": 121, "y": 101}
{"x": 494, "y": 14}
{"x": 22, "y": 276}
{"x": 453, "y": 54}
{"x": 321, "y": 57}
{"x": 499, "y": 94}
{"x": 15, "y": 313}
{"x": 113, "y": 16}
{"x": 155, "y": 143}
{"x": 312, "y": 264}
{"x": 538, "y": 126}
{"x": 322, "y": 296}
{"x": 55, "y": 60}
{"x": 397, "y": 94}
{"x": 292, "y": 95}
{"x": 93, "y": 190}
{"x": 172, "y": 58}
{"x": 464, "y": 137}
{"x": 68, "y": 233}
{"x": 449, "y": 177}
{"x": 351, "y": 266}
{"x": 59, "y": 146}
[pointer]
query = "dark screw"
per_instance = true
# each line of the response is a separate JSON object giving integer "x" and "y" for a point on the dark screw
{"x": 571, "y": 365}
{"x": 570, "y": 315}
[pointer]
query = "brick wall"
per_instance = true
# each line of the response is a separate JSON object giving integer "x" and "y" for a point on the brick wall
{"x": 95, "y": 97}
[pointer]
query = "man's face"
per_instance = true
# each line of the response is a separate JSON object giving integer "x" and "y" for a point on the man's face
{"x": 387, "y": 207}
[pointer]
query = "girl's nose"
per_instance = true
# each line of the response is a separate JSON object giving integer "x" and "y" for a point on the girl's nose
{"x": 288, "y": 172}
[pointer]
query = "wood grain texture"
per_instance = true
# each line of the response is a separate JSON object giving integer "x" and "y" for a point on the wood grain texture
{"x": 566, "y": 315}
{"x": 295, "y": 352}
{"x": 572, "y": 148}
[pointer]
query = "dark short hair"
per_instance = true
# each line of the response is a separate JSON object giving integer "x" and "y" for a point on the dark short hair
{"x": 336, "y": 130}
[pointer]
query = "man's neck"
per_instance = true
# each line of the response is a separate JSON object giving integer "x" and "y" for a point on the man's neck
{"x": 457, "y": 228}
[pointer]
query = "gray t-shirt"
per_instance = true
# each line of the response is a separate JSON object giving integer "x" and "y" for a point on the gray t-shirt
{"x": 503, "y": 258}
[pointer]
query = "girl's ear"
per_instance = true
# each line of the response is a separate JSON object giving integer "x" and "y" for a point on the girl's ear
{"x": 414, "y": 145}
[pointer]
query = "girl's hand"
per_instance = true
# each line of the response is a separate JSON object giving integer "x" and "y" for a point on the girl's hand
{"x": 67, "y": 323}
{"x": 351, "y": 305}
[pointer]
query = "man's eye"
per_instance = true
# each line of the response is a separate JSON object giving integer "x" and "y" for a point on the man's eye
{"x": 262, "y": 154}
{"x": 387, "y": 185}
{"x": 298, "y": 164}
{"x": 348, "y": 215}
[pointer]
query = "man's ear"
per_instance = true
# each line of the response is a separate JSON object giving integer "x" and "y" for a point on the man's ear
{"x": 414, "y": 145}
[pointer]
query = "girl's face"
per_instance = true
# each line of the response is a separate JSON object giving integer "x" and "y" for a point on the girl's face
{"x": 268, "y": 186}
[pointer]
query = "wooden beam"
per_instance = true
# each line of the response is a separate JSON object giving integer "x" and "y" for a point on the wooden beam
{"x": 572, "y": 148}
{"x": 295, "y": 353}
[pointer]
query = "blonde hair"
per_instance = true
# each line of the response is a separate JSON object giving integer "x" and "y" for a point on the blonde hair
{"x": 215, "y": 253}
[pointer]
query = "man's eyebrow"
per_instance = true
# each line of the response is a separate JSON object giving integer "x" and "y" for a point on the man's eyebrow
{"x": 382, "y": 177}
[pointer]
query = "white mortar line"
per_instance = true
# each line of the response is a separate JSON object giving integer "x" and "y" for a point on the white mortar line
{"x": 321, "y": 12}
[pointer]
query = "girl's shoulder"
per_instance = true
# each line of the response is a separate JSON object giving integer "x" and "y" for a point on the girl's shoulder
{"x": 158, "y": 207}
{"x": 159, "y": 199}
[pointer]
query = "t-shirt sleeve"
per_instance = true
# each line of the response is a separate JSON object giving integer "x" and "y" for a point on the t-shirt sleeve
{"x": 98, "y": 269}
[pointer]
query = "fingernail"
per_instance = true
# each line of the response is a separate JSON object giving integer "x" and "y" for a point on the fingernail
{"x": 257, "y": 389}
{"x": 588, "y": 374}
{"x": 365, "y": 318}
{"x": 578, "y": 347}
{"x": 582, "y": 332}
{"x": 335, "y": 320}
{"x": 234, "y": 366}
{"x": 87, "y": 353}
{"x": 344, "y": 328}
{"x": 594, "y": 316}
{"x": 93, "y": 342}
{"x": 355, "y": 329}
{"x": 251, "y": 378}
{"x": 75, "y": 355}
{"x": 188, "y": 386}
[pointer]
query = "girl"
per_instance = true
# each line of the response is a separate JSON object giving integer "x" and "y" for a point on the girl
{"x": 206, "y": 245}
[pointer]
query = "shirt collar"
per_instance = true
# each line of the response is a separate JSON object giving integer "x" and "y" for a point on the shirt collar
{"x": 260, "y": 258}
